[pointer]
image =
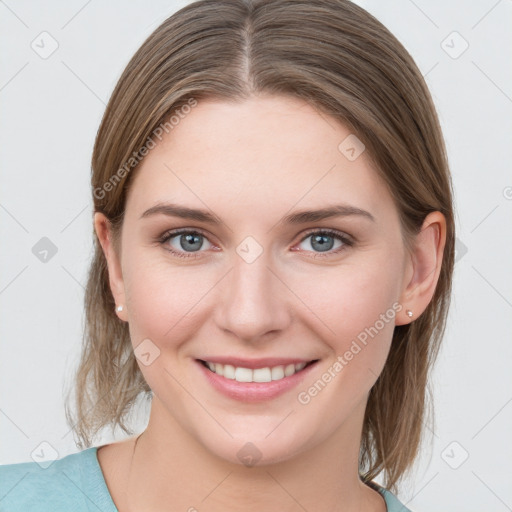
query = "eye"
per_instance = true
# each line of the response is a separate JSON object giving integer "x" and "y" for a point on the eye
{"x": 184, "y": 243}
{"x": 323, "y": 241}
{"x": 187, "y": 243}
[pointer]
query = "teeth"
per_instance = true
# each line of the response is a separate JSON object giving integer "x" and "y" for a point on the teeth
{"x": 258, "y": 375}
{"x": 289, "y": 370}
{"x": 229, "y": 371}
{"x": 243, "y": 374}
{"x": 262, "y": 375}
{"x": 219, "y": 369}
{"x": 277, "y": 373}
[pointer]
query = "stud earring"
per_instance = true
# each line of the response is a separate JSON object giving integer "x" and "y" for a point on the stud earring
{"x": 409, "y": 313}
{"x": 119, "y": 308}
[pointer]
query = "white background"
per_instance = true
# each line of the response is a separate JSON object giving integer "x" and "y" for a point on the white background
{"x": 50, "y": 111}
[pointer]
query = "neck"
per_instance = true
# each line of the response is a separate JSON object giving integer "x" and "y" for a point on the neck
{"x": 170, "y": 467}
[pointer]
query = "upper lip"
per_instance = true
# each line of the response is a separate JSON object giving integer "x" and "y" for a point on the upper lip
{"x": 256, "y": 363}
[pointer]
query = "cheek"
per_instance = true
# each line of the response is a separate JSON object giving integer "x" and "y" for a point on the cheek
{"x": 356, "y": 306}
{"x": 163, "y": 298}
{"x": 353, "y": 294}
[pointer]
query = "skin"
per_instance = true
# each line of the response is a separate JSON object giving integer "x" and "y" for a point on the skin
{"x": 251, "y": 163}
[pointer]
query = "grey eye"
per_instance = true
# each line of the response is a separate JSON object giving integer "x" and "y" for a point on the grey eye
{"x": 188, "y": 242}
{"x": 322, "y": 242}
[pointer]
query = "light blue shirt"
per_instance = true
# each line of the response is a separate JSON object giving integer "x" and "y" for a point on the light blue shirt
{"x": 75, "y": 483}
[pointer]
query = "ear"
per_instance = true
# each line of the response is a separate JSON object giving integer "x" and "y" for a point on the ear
{"x": 103, "y": 229}
{"x": 423, "y": 268}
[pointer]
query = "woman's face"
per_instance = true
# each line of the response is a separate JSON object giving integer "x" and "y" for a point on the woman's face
{"x": 250, "y": 283}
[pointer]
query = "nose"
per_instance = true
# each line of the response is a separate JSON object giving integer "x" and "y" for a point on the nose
{"x": 253, "y": 302}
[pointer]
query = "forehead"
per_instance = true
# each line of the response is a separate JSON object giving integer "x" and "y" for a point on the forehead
{"x": 263, "y": 154}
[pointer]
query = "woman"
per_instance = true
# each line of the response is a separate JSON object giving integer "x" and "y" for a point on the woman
{"x": 274, "y": 252}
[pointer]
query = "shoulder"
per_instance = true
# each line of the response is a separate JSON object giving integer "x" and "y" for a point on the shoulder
{"x": 393, "y": 504}
{"x": 73, "y": 482}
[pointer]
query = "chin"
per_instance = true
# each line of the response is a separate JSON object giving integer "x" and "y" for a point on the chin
{"x": 247, "y": 450}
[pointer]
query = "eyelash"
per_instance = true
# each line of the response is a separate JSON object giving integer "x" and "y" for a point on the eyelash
{"x": 347, "y": 242}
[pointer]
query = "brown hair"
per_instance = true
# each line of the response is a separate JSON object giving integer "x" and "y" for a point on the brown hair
{"x": 343, "y": 61}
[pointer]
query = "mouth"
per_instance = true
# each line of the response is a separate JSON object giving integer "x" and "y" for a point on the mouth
{"x": 260, "y": 374}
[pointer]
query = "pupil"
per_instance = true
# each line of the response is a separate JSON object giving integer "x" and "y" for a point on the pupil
{"x": 323, "y": 244}
{"x": 190, "y": 239}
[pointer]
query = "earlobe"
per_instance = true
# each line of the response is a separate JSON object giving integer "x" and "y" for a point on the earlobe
{"x": 424, "y": 268}
{"x": 103, "y": 228}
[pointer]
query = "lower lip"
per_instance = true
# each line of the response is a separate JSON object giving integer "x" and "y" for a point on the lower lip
{"x": 254, "y": 391}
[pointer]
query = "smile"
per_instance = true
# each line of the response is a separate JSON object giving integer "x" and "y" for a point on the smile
{"x": 265, "y": 374}
{"x": 254, "y": 380}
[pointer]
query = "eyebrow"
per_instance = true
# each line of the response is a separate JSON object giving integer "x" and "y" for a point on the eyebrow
{"x": 301, "y": 217}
